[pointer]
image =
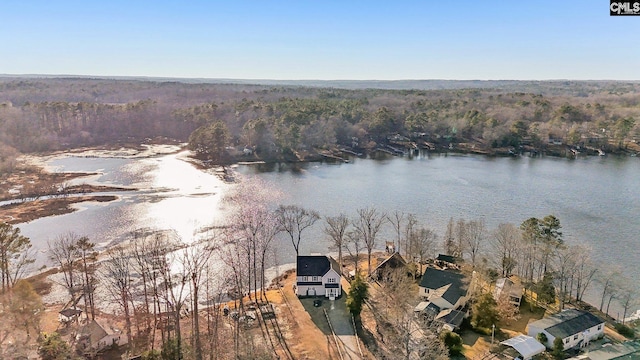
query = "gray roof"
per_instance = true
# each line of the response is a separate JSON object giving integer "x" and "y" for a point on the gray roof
{"x": 70, "y": 312}
{"x": 448, "y": 258}
{"x": 567, "y": 322}
{"x": 435, "y": 279}
{"x": 627, "y": 350}
{"x": 313, "y": 265}
{"x": 451, "y": 317}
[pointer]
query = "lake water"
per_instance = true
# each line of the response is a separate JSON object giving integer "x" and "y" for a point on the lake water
{"x": 595, "y": 198}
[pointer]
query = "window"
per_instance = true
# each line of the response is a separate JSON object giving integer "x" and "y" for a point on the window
{"x": 566, "y": 341}
{"x": 305, "y": 278}
{"x": 331, "y": 280}
{"x": 575, "y": 337}
{"x": 600, "y": 327}
{"x": 315, "y": 278}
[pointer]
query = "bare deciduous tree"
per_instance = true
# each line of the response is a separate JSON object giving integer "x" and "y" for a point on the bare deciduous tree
{"x": 472, "y": 235}
{"x": 194, "y": 261}
{"x": 423, "y": 241}
{"x": 336, "y": 229}
{"x": 504, "y": 246}
{"x": 396, "y": 219}
{"x": 64, "y": 253}
{"x": 368, "y": 225}
{"x": 354, "y": 246}
{"x": 294, "y": 220}
{"x": 116, "y": 273}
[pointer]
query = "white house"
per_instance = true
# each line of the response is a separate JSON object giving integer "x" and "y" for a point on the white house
{"x": 574, "y": 327}
{"x": 446, "y": 289}
{"x": 317, "y": 275}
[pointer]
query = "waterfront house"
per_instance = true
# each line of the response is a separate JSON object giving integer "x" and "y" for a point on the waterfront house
{"x": 317, "y": 275}
{"x": 389, "y": 267}
{"x": 576, "y": 328}
{"x": 445, "y": 288}
{"x": 511, "y": 288}
{"x": 97, "y": 336}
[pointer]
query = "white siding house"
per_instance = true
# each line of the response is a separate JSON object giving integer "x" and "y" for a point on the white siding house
{"x": 576, "y": 328}
{"x": 317, "y": 275}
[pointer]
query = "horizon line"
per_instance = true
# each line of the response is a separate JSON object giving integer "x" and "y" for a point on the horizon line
{"x": 150, "y": 77}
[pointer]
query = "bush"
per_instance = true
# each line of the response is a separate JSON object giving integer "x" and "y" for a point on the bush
{"x": 453, "y": 342}
{"x": 542, "y": 338}
{"x": 624, "y": 330}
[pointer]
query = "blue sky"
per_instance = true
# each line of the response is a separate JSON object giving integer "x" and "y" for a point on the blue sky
{"x": 325, "y": 39}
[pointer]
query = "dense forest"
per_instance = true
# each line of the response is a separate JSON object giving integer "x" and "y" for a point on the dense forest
{"x": 283, "y": 121}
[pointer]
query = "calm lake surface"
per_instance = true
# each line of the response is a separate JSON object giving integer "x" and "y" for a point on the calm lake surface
{"x": 596, "y": 198}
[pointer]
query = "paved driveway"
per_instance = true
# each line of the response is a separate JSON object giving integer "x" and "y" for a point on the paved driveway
{"x": 340, "y": 321}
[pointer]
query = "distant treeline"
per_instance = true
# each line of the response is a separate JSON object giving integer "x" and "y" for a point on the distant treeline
{"x": 56, "y": 113}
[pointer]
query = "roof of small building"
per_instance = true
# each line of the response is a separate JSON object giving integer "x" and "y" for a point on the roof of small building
{"x": 435, "y": 279}
{"x": 626, "y": 350}
{"x": 394, "y": 261}
{"x": 525, "y": 345}
{"x": 312, "y": 265}
{"x": 448, "y": 258}
{"x": 508, "y": 285}
{"x": 70, "y": 312}
{"x": 567, "y": 322}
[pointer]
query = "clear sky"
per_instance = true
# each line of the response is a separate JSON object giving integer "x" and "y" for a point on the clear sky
{"x": 321, "y": 39}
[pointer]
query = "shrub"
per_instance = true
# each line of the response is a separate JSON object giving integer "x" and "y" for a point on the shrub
{"x": 542, "y": 338}
{"x": 624, "y": 330}
{"x": 453, "y": 342}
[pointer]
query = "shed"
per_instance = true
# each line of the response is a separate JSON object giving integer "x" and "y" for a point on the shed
{"x": 69, "y": 315}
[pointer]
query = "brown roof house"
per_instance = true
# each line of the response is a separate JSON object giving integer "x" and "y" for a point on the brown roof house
{"x": 391, "y": 266}
{"x": 97, "y": 336}
{"x": 510, "y": 288}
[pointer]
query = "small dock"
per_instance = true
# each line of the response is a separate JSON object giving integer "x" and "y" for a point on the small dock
{"x": 350, "y": 152}
{"x": 334, "y": 157}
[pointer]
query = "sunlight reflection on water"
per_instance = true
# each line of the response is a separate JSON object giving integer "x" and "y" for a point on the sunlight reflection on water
{"x": 172, "y": 194}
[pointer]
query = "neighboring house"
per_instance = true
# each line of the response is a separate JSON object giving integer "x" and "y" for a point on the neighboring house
{"x": 609, "y": 351}
{"x": 576, "y": 328}
{"x": 68, "y": 315}
{"x": 95, "y": 337}
{"x": 447, "y": 289}
{"x": 389, "y": 266}
{"x": 317, "y": 275}
{"x": 508, "y": 287}
{"x": 448, "y": 319}
{"x": 526, "y": 346}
